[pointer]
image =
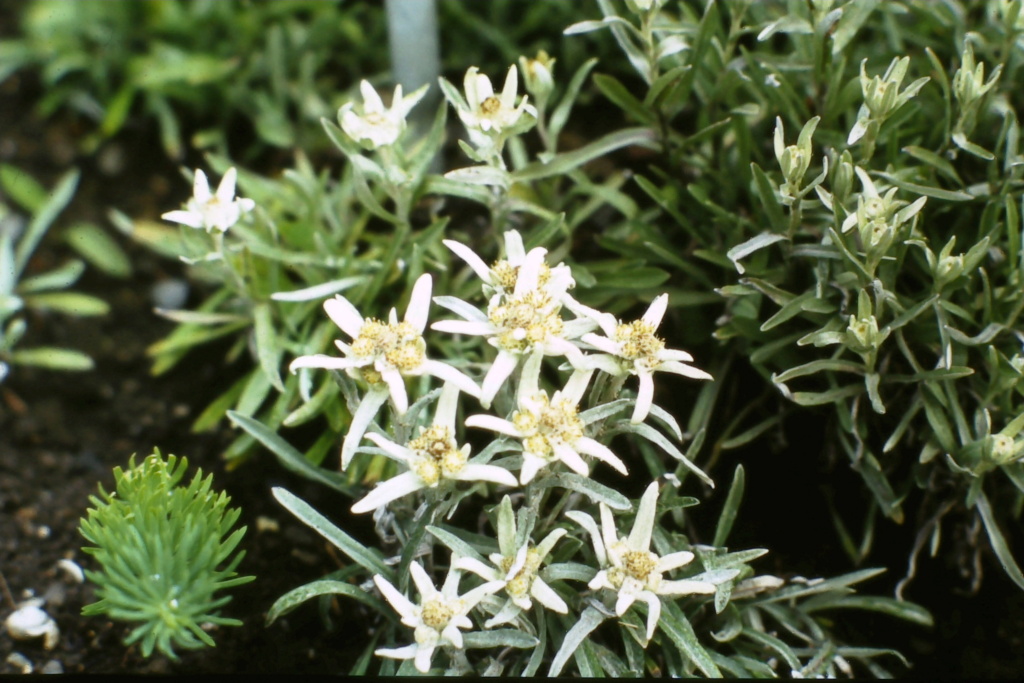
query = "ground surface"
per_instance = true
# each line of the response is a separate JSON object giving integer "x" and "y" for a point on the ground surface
{"x": 61, "y": 434}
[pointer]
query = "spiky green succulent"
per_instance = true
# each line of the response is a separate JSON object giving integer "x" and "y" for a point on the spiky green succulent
{"x": 163, "y": 550}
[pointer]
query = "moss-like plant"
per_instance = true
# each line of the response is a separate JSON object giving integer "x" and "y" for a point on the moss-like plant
{"x": 159, "y": 546}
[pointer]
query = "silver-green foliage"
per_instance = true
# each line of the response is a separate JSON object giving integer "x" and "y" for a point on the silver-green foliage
{"x": 22, "y": 290}
{"x": 163, "y": 550}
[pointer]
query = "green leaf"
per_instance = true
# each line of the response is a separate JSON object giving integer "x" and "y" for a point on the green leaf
{"x": 900, "y": 609}
{"x": 998, "y": 541}
{"x": 809, "y": 398}
{"x": 52, "y": 358}
{"x": 59, "y": 278}
{"x": 295, "y": 597}
{"x": 268, "y": 348}
{"x": 769, "y": 201}
{"x": 362, "y": 556}
{"x": 502, "y": 637}
{"x": 599, "y": 493}
{"x": 565, "y": 162}
{"x": 290, "y": 458}
{"x": 926, "y": 190}
{"x": 731, "y": 507}
{"x": 43, "y": 217}
{"x": 853, "y": 18}
{"x": 750, "y": 246}
{"x": 589, "y": 620}
{"x": 454, "y": 543}
{"x": 656, "y": 437}
{"x": 99, "y": 248}
{"x": 22, "y": 188}
{"x": 676, "y": 626}
{"x": 72, "y": 303}
{"x": 619, "y": 94}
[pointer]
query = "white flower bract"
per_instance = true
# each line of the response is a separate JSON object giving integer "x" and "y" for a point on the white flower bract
{"x": 212, "y": 210}
{"x": 433, "y": 457}
{"x": 383, "y": 354}
{"x": 550, "y": 429}
{"x": 492, "y": 114}
{"x": 630, "y": 568}
{"x": 377, "y": 126}
{"x": 634, "y": 348}
{"x": 436, "y": 620}
{"x": 517, "y": 568}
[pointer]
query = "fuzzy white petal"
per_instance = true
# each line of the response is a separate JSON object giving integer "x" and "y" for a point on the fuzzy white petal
{"x": 326, "y": 362}
{"x": 503, "y": 366}
{"x": 344, "y": 315}
{"x": 531, "y": 466}
{"x": 598, "y": 450}
{"x": 471, "y": 259}
{"x": 402, "y": 605}
{"x": 682, "y": 369}
{"x": 419, "y": 303}
{"x": 361, "y": 419}
{"x": 493, "y": 423}
{"x": 640, "y": 536}
{"x": 387, "y": 491}
{"x": 547, "y": 596}
{"x": 644, "y": 398}
{"x": 449, "y": 375}
{"x": 189, "y": 218}
{"x": 675, "y": 560}
{"x": 492, "y": 473}
{"x": 226, "y": 189}
{"x": 686, "y": 587}
{"x": 656, "y": 311}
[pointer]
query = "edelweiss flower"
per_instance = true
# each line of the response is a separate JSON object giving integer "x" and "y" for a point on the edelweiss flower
{"x": 523, "y": 317}
{"x": 383, "y": 354}
{"x": 628, "y": 565}
{"x": 633, "y": 348}
{"x": 550, "y": 429}
{"x": 438, "y": 617}
{"x": 432, "y": 458}
{"x": 211, "y": 211}
{"x": 501, "y": 278}
{"x": 493, "y": 115}
{"x": 517, "y": 569}
{"x": 377, "y": 126}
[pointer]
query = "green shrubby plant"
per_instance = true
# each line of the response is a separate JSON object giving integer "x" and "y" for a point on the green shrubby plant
{"x": 889, "y": 292}
{"x": 163, "y": 550}
{"x": 23, "y": 291}
{"x": 202, "y": 64}
{"x": 546, "y": 580}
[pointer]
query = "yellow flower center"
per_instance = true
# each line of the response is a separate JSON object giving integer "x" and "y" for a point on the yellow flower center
{"x": 637, "y": 342}
{"x": 437, "y": 455}
{"x": 436, "y": 614}
{"x": 639, "y": 563}
{"x": 548, "y": 426}
{"x": 505, "y": 275}
{"x": 526, "y": 321}
{"x": 490, "y": 106}
{"x": 519, "y": 585}
{"x": 399, "y": 344}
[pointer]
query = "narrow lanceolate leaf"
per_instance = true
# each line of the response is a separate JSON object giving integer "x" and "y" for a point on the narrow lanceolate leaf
{"x": 295, "y": 597}
{"x": 563, "y": 163}
{"x": 752, "y": 245}
{"x": 998, "y": 541}
{"x": 656, "y": 437}
{"x": 732, "y": 505}
{"x": 289, "y": 457}
{"x": 676, "y": 626}
{"x": 267, "y": 347}
{"x": 323, "y": 526}
{"x": 71, "y": 303}
{"x": 52, "y": 358}
{"x": 599, "y": 493}
{"x": 97, "y": 247}
{"x": 43, "y": 218}
{"x": 502, "y": 637}
{"x": 320, "y": 291}
{"x": 589, "y": 620}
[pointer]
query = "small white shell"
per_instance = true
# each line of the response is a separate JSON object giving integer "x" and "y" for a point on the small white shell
{"x": 71, "y": 570}
{"x": 29, "y": 621}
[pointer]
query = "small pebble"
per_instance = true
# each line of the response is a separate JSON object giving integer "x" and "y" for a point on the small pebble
{"x": 171, "y": 293}
{"x": 29, "y": 622}
{"x": 21, "y": 661}
{"x": 267, "y": 524}
{"x": 71, "y": 570}
{"x": 52, "y": 667}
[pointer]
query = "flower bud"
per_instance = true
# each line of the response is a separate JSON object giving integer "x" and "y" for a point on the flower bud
{"x": 862, "y": 334}
{"x": 537, "y": 73}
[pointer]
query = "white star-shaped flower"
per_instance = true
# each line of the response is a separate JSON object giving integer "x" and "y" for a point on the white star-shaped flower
{"x": 491, "y": 114}
{"x": 437, "y": 619}
{"x": 633, "y": 348}
{"x": 524, "y": 321}
{"x": 383, "y": 354}
{"x": 550, "y": 430}
{"x": 628, "y": 566}
{"x": 433, "y": 458}
{"x": 377, "y": 126}
{"x": 517, "y": 569}
{"x": 500, "y": 279}
{"x": 212, "y": 211}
